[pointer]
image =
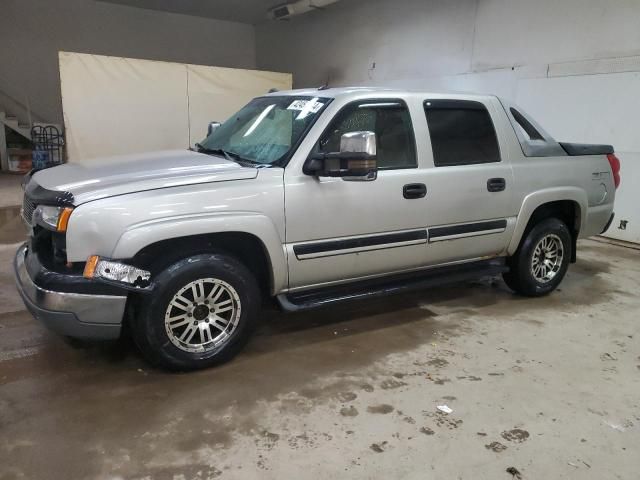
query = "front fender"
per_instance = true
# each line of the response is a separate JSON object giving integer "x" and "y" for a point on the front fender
{"x": 140, "y": 235}
{"x": 534, "y": 200}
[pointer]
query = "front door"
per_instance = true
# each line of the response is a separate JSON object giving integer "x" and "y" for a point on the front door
{"x": 338, "y": 230}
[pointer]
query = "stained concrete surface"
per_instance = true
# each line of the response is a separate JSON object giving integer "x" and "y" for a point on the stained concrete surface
{"x": 548, "y": 387}
{"x": 10, "y": 189}
{"x": 12, "y": 227}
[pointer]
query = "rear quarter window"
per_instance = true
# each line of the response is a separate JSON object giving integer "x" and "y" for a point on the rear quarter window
{"x": 533, "y": 139}
{"x": 526, "y": 126}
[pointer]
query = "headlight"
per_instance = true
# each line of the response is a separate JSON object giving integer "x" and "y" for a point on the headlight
{"x": 52, "y": 218}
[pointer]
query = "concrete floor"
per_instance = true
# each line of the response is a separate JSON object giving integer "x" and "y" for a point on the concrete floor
{"x": 550, "y": 387}
{"x": 12, "y": 227}
{"x": 10, "y": 189}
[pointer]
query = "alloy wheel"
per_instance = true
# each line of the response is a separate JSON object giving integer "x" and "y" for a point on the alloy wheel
{"x": 547, "y": 258}
{"x": 202, "y": 315}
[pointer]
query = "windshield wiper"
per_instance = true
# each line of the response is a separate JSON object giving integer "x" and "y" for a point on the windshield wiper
{"x": 231, "y": 156}
{"x": 215, "y": 151}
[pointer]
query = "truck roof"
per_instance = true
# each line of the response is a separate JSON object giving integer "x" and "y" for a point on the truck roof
{"x": 359, "y": 91}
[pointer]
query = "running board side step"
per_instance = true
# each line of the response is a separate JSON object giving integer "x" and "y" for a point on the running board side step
{"x": 378, "y": 287}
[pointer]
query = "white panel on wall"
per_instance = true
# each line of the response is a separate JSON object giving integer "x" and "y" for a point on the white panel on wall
{"x": 525, "y": 32}
{"x": 595, "y": 109}
{"x": 115, "y": 105}
{"x": 216, "y": 93}
{"x": 586, "y": 108}
{"x": 594, "y": 66}
{"x": 626, "y": 225}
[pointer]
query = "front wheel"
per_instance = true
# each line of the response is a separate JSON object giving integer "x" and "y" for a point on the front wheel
{"x": 201, "y": 313}
{"x": 542, "y": 260}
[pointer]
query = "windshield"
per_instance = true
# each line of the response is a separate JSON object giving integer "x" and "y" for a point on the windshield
{"x": 266, "y": 130}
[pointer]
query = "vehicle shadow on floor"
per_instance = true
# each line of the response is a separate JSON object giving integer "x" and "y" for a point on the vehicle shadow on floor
{"x": 387, "y": 324}
{"x": 366, "y": 329}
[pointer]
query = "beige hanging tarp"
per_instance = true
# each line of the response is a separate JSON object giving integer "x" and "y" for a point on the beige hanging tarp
{"x": 216, "y": 93}
{"x": 115, "y": 105}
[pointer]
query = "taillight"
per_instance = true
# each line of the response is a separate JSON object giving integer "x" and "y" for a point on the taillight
{"x": 615, "y": 168}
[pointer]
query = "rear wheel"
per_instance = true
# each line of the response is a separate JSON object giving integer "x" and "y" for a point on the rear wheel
{"x": 542, "y": 260}
{"x": 201, "y": 313}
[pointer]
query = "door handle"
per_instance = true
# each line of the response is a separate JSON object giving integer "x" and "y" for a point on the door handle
{"x": 414, "y": 190}
{"x": 496, "y": 184}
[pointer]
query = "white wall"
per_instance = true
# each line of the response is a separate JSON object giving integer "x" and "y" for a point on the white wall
{"x": 415, "y": 40}
{"x": 525, "y": 32}
{"x": 573, "y": 64}
{"x": 33, "y": 31}
{"x": 406, "y": 39}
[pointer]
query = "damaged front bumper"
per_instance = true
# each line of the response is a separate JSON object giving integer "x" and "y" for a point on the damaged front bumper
{"x": 68, "y": 304}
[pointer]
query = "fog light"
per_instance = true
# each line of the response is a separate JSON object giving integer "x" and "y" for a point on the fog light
{"x": 97, "y": 267}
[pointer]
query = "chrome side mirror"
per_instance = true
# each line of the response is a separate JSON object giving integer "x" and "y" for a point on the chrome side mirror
{"x": 356, "y": 160}
{"x": 363, "y": 143}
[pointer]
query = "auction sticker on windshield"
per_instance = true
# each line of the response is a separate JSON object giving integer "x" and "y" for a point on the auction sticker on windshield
{"x": 312, "y": 106}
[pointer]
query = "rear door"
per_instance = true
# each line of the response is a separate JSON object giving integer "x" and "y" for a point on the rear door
{"x": 471, "y": 213}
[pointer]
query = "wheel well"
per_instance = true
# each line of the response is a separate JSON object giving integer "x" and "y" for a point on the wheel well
{"x": 566, "y": 210}
{"x": 247, "y": 248}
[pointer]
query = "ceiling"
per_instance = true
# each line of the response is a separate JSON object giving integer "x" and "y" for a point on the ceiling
{"x": 244, "y": 11}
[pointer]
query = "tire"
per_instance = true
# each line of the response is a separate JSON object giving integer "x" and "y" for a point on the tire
{"x": 534, "y": 269}
{"x": 201, "y": 313}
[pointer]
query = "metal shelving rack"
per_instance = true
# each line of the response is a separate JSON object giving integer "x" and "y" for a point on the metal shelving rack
{"x": 48, "y": 146}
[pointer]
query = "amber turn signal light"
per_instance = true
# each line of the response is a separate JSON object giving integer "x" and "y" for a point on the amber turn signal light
{"x": 63, "y": 219}
{"x": 90, "y": 266}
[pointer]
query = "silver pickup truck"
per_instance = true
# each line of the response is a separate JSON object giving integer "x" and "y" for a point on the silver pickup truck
{"x": 310, "y": 197}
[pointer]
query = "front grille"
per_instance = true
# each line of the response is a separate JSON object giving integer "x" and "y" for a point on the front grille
{"x": 27, "y": 209}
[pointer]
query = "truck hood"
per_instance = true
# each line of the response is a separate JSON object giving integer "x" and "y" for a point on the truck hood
{"x": 109, "y": 176}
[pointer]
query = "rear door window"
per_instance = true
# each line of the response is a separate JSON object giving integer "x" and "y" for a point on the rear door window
{"x": 462, "y": 133}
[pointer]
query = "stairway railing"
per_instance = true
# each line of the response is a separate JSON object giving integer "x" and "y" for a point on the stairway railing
{"x": 23, "y": 105}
